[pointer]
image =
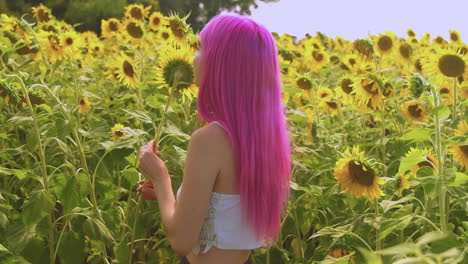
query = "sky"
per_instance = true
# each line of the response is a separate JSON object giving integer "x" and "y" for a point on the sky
{"x": 353, "y": 19}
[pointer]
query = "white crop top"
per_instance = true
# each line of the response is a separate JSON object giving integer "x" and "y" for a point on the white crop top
{"x": 223, "y": 226}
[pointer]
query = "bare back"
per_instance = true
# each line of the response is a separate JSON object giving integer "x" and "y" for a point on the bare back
{"x": 224, "y": 183}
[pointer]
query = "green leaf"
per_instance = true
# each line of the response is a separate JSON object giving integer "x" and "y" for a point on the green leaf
{"x": 430, "y": 237}
{"x": 442, "y": 112}
{"x": 72, "y": 248}
{"x": 418, "y": 134}
{"x": 444, "y": 244}
{"x": 369, "y": 256}
{"x": 20, "y": 119}
{"x": 131, "y": 175}
{"x": 96, "y": 229}
{"x": 408, "y": 162}
{"x": 400, "y": 249}
{"x": 37, "y": 207}
{"x": 460, "y": 178}
{"x": 70, "y": 196}
{"x": 122, "y": 252}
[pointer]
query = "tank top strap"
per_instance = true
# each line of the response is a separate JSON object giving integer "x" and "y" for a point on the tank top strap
{"x": 217, "y": 123}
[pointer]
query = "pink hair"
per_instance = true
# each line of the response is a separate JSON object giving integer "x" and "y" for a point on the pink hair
{"x": 240, "y": 87}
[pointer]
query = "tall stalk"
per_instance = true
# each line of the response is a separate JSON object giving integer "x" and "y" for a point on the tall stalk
{"x": 45, "y": 182}
{"x": 378, "y": 242}
{"x": 441, "y": 176}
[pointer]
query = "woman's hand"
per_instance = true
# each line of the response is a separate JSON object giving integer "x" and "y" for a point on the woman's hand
{"x": 147, "y": 189}
{"x": 151, "y": 165}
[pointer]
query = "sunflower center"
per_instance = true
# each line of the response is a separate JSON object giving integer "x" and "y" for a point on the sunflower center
{"x": 346, "y": 85}
{"x": 451, "y": 65}
{"x": 323, "y": 94}
{"x": 69, "y": 41}
{"x": 316, "y": 46}
{"x": 128, "y": 69}
{"x": 415, "y": 110}
{"x": 352, "y": 61}
{"x": 136, "y": 12}
{"x": 454, "y": 37}
{"x": 134, "y": 30}
{"x": 405, "y": 51}
{"x": 317, "y": 55}
{"x": 43, "y": 15}
{"x": 165, "y": 35}
{"x": 181, "y": 67}
{"x": 385, "y": 43}
{"x": 82, "y": 101}
{"x": 418, "y": 65}
{"x": 464, "y": 149}
{"x": 369, "y": 87}
{"x": 332, "y": 104}
{"x": 360, "y": 173}
{"x": 113, "y": 26}
{"x": 118, "y": 133}
{"x": 304, "y": 83}
{"x": 156, "y": 21}
{"x": 444, "y": 90}
{"x": 344, "y": 67}
{"x": 439, "y": 40}
{"x": 176, "y": 29}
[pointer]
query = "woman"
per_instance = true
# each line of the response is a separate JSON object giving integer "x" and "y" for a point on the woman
{"x": 237, "y": 168}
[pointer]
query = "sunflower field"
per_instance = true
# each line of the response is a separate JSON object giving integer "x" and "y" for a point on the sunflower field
{"x": 378, "y": 125}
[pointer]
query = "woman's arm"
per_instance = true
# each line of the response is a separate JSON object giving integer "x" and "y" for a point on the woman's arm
{"x": 183, "y": 219}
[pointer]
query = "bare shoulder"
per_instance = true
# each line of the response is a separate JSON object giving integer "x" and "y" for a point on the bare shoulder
{"x": 212, "y": 138}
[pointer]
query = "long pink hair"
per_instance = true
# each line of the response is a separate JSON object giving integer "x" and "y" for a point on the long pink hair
{"x": 240, "y": 87}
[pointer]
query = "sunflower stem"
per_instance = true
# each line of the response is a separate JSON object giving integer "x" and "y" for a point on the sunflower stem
{"x": 137, "y": 160}
{"x": 454, "y": 111}
{"x": 43, "y": 167}
{"x": 378, "y": 241}
{"x": 441, "y": 180}
{"x": 163, "y": 117}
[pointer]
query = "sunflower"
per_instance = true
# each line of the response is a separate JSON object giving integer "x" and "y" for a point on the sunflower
{"x": 178, "y": 26}
{"x": 405, "y": 51}
{"x": 460, "y": 152}
{"x": 345, "y": 84}
{"x": 364, "y": 48}
{"x": 156, "y": 21}
{"x": 175, "y": 62}
{"x": 368, "y": 92}
{"x": 414, "y": 110}
{"x": 324, "y": 93}
{"x": 385, "y": 43}
{"x": 42, "y": 14}
{"x": 455, "y": 36}
{"x": 165, "y": 34}
{"x": 428, "y": 161}
{"x": 402, "y": 183}
{"x": 446, "y": 92}
{"x": 110, "y": 27}
{"x": 85, "y": 105}
{"x": 358, "y": 176}
{"x": 71, "y": 42}
{"x": 445, "y": 62}
{"x": 117, "y": 131}
{"x": 126, "y": 71}
{"x": 330, "y": 106}
{"x": 137, "y": 12}
{"x": 133, "y": 30}
{"x": 411, "y": 33}
{"x": 304, "y": 82}
{"x": 439, "y": 41}
{"x": 52, "y": 45}
{"x": 319, "y": 59}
